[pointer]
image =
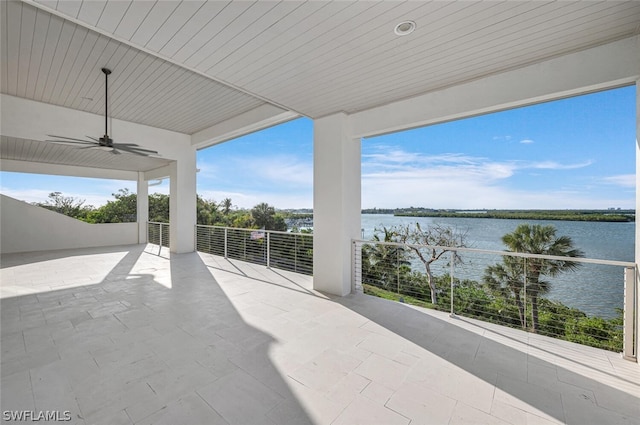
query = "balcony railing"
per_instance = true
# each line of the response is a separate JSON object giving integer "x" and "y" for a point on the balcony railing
{"x": 158, "y": 234}
{"x": 282, "y": 250}
{"x": 393, "y": 270}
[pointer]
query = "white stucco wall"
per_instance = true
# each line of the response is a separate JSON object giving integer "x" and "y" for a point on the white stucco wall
{"x": 26, "y": 228}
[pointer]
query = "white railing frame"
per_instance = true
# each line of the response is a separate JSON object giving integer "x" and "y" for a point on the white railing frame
{"x": 630, "y": 332}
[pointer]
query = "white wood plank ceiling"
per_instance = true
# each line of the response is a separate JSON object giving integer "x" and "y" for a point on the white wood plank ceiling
{"x": 187, "y": 65}
{"x": 320, "y": 57}
{"x": 49, "y": 59}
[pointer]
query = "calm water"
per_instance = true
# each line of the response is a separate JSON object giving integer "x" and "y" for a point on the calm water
{"x": 594, "y": 289}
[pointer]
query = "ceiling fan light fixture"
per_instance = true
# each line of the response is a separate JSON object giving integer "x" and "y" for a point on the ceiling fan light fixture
{"x": 404, "y": 28}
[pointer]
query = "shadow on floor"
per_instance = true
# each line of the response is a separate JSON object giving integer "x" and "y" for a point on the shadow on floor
{"x": 155, "y": 342}
{"x": 519, "y": 378}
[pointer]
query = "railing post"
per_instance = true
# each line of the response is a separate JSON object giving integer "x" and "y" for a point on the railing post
{"x": 356, "y": 278}
{"x": 453, "y": 258}
{"x": 160, "y": 245}
{"x": 295, "y": 253}
{"x": 630, "y": 311}
{"x": 268, "y": 249}
{"x": 225, "y": 242}
{"x": 398, "y": 270}
{"x": 524, "y": 287}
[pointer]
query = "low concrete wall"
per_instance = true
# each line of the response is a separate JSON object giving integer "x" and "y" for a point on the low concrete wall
{"x": 25, "y": 228}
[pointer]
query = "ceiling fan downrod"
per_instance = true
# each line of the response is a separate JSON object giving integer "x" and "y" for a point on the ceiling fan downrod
{"x": 106, "y": 140}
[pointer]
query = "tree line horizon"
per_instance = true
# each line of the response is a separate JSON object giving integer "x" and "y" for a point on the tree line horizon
{"x": 210, "y": 212}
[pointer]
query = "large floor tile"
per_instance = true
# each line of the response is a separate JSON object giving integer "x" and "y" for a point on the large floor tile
{"x": 122, "y": 335}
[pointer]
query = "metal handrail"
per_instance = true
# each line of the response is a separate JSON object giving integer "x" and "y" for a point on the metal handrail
{"x": 282, "y": 232}
{"x": 505, "y": 253}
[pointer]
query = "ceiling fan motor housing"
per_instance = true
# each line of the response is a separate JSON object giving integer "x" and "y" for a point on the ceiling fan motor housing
{"x": 106, "y": 141}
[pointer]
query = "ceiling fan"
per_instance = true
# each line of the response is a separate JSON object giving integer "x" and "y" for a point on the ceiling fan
{"x": 104, "y": 141}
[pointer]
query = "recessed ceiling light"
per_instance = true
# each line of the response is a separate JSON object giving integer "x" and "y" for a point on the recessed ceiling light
{"x": 405, "y": 28}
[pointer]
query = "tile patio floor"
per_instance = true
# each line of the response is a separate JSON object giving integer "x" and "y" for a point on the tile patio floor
{"x": 123, "y": 336}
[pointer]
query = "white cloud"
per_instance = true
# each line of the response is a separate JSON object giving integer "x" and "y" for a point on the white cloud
{"x": 502, "y": 138}
{"x": 526, "y": 141}
{"x": 623, "y": 180}
{"x": 279, "y": 171}
{"x": 463, "y": 181}
{"x": 469, "y": 193}
{"x": 288, "y": 170}
{"x": 552, "y": 165}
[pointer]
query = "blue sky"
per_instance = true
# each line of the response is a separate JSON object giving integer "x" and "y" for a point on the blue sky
{"x": 573, "y": 153}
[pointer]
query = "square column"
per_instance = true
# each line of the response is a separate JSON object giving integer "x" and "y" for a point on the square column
{"x": 142, "y": 207}
{"x": 336, "y": 202}
{"x": 637, "y": 254}
{"x": 182, "y": 202}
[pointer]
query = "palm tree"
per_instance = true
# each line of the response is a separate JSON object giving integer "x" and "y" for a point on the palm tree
{"x": 381, "y": 264}
{"x": 506, "y": 279}
{"x": 226, "y": 206}
{"x": 533, "y": 239}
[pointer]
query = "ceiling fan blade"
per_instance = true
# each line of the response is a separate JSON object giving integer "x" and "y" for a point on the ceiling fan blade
{"x": 134, "y": 146}
{"x": 70, "y": 142}
{"x": 131, "y": 148}
{"x": 95, "y": 146}
{"x": 68, "y": 138}
{"x": 115, "y": 151}
{"x": 141, "y": 152}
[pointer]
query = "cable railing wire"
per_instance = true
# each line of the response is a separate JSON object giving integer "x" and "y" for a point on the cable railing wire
{"x": 281, "y": 250}
{"x": 158, "y": 234}
{"x": 392, "y": 270}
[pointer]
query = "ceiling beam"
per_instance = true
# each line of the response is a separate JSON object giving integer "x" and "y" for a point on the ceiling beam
{"x": 66, "y": 170}
{"x": 262, "y": 117}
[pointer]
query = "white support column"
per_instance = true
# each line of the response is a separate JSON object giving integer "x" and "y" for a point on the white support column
{"x": 182, "y": 203}
{"x": 142, "y": 207}
{"x": 637, "y": 256}
{"x": 336, "y": 202}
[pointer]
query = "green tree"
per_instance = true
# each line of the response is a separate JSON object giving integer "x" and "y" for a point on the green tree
{"x": 506, "y": 280}
{"x": 159, "y": 207}
{"x": 121, "y": 210}
{"x": 264, "y": 217}
{"x": 383, "y": 264}
{"x": 206, "y": 211}
{"x": 533, "y": 239}
{"x": 226, "y": 206}
{"x": 67, "y": 205}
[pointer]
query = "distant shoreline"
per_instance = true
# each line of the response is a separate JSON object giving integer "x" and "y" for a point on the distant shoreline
{"x": 611, "y": 215}
{"x": 616, "y": 216}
